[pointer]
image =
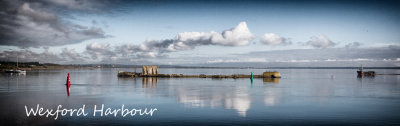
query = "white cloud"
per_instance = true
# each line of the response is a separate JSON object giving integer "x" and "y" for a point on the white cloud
{"x": 98, "y": 46}
{"x": 238, "y": 36}
{"x": 30, "y": 56}
{"x": 272, "y": 39}
{"x": 35, "y": 24}
{"x": 71, "y": 54}
{"x": 353, "y": 45}
{"x": 97, "y": 50}
{"x": 320, "y": 42}
{"x": 85, "y": 5}
{"x": 237, "y": 60}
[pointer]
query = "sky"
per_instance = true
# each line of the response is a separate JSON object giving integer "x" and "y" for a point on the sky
{"x": 312, "y": 33}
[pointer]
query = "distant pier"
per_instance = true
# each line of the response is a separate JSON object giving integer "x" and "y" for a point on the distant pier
{"x": 152, "y": 71}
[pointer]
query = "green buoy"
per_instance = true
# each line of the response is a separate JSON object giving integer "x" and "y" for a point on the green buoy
{"x": 251, "y": 77}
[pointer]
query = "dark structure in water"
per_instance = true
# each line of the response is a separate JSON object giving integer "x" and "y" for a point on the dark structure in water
{"x": 152, "y": 71}
{"x": 361, "y": 73}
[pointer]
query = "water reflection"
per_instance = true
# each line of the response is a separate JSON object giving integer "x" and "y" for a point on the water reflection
{"x": 200, "y": 95}
{"x": 240, "y": 101}
{"x": 316, "y": 95}
{"x": 272, "y": 80}
{"x": 16, "y": 74}
{"x": 13, "y": 81}
{"x": 149, "y": 82}
{"x": 272, "y": 97}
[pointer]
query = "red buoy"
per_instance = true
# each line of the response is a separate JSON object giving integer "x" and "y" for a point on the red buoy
{"x": 68, "y": 84}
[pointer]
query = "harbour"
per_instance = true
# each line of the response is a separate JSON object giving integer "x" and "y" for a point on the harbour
{"x": 206, "y": 100}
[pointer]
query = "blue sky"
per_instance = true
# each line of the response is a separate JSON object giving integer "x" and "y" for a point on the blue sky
{"x": 113, "y": 26}
{"x": 341, "y": 22}
{"x": 353, "y": 22}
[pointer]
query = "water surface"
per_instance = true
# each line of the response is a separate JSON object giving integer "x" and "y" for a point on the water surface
{"x": 300, "y": 97}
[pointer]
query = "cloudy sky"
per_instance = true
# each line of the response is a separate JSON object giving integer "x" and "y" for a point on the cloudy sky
{"x": 202, "y": 33}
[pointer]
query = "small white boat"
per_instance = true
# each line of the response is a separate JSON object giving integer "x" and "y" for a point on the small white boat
{"x": 19, "y": 71}
{"x": 15, "y": 71}
{"x": 9, "y": 71}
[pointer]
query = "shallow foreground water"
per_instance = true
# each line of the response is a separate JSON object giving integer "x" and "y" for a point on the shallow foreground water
{"x": 300, "y": 97}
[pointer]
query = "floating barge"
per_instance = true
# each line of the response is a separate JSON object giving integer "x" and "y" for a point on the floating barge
{"x": 361, "y": 73}
{"x": 366, "y": 73}
{"x": 152, "y": 71}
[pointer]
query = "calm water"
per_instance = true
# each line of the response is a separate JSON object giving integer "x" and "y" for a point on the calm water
{"x": 301, "y": 97}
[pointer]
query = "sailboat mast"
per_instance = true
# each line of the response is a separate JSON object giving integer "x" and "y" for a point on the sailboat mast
{"x": 17, "y": 62}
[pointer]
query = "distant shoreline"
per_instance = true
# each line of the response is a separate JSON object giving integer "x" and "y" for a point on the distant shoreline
{"x": 48, "y": 66}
